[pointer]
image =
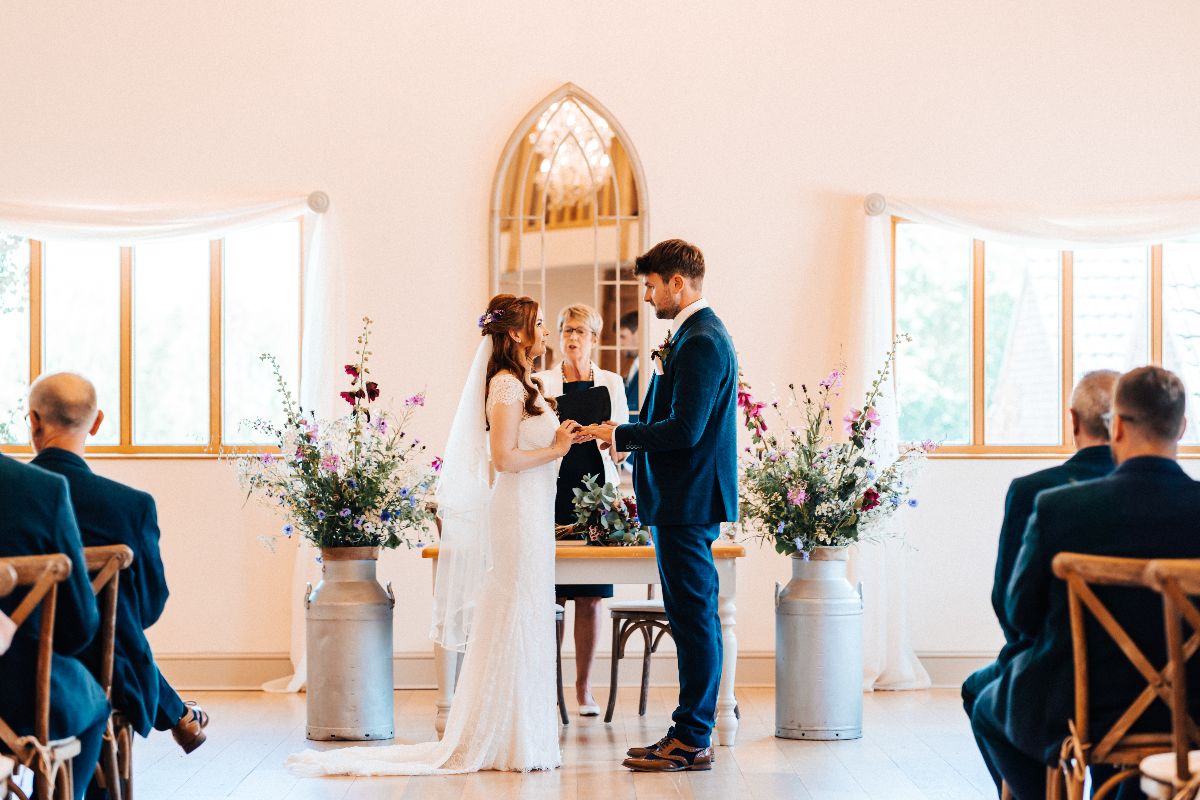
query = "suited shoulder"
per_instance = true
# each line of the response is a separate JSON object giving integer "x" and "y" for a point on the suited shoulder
{"x": 121, "y": 493}
{"x": 18, "y": 478}
{"x": 1040, "y": 481}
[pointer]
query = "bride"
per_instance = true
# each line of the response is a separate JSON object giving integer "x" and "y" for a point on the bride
{"x": 495, "y": 579}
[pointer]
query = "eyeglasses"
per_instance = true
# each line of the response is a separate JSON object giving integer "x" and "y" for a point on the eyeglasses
{"x": 576, "y": 332}
{"x": 1107, "y": 418}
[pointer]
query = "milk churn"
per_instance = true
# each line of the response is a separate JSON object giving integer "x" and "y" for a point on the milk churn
{"x": 818, "y": 650}
{"x": 349, "y": 625}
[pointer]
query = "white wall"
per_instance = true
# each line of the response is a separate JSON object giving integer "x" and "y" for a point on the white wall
{"x": 759, "y": 126}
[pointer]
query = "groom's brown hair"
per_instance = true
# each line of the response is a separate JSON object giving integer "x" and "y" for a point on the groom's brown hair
{"x": 672, "y": 257}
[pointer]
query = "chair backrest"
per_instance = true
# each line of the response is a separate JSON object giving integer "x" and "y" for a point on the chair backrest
{"x": 1179, "y": 581}
{"x": 104, "y": 564}
{"x": 41, "y": 574}
{"x": 1082, "y": 573}
{"x": 8, "y": 579}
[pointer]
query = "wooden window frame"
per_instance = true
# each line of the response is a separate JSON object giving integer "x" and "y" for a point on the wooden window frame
{"x": 977, "y": 448}
{"x": 126, "y": 448}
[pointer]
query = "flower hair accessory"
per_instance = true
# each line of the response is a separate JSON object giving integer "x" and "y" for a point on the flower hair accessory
{"x": 490, "y": 317}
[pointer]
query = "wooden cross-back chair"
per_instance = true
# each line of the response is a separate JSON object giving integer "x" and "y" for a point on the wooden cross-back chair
{"x": 104, "y": 565}
{"x": 1176, "y": 774}
{"x": 49, "y": 760}
{"x": 1117, "y": 747}
{"x": 8, "y": 579}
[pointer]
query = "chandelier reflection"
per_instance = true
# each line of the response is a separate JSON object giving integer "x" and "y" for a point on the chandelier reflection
{"x": 572, "y": 141}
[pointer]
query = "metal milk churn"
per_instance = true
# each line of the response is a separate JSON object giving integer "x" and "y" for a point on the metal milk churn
{"x": 349, "y": 626}
{"x": 818, "y": 650}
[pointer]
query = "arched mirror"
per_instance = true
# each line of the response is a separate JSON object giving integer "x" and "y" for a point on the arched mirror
{"x": 568, "y": 219}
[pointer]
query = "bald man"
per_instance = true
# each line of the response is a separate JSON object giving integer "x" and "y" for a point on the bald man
{"x": 62, "y": 414}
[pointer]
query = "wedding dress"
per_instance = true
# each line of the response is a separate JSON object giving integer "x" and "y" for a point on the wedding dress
{"x": 504, "y": 713}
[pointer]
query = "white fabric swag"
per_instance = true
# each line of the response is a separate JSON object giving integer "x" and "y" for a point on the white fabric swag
{"x": 323, "y": 307}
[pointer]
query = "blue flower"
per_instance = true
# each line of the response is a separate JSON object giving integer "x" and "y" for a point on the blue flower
{"x": 345, "y": 512}
{"x": 871, "y": 475}
{"x": 353, "y": 484}
{"x": 385, "y": 515}
{"x": 403, "y": 493}
{"x": 287, "y": 530}
{"x": 912, "y": 502}
{"x": 412, "y": 502}
{"x": 320, "y": 515}
{"x": 779, "y": 530}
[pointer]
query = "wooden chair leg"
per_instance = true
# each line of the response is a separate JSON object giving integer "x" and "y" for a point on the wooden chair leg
{"x": 125, "y": 759}
{"x": 108, "y": 768}
{"x": 618, "y": 629}
{"x": 1006, "y": 793}
{"x": 562, "y": 701}
{"x": 646, "y": 634}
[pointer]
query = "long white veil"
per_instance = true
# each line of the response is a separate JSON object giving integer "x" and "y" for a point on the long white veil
{"x": 465, "y": 551}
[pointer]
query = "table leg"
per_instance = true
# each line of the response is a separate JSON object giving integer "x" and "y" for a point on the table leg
{"x": 727, "y": 722}
{"x": 446, "y": 665}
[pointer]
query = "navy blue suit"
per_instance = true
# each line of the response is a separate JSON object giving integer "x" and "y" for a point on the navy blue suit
{"x": 685, "y": 478}
{"x": 1087, "y": 464}
{"x": 109, "y": 512}
{"x": 36, "y": 520}
{"x": 1146, "y": 508}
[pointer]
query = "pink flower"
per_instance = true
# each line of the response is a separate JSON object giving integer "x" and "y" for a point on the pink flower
{"x": 870, "y": 499}
{"x": 797, "y": 496}
{"x": 856, "y": 417}
{"x": 267, "y": 458}
{"x": 352, "y": 371}
{"x": 437, "y": 464}
{"x": 416, "y": 400}
{"x": 929, "y": 445}
{"x": 331, "y": 463}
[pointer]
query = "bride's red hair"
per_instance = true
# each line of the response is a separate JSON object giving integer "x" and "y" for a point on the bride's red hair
{"x": 507, "y": 313}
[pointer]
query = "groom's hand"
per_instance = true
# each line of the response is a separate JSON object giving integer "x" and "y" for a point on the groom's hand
{"x": 603, "y": 433}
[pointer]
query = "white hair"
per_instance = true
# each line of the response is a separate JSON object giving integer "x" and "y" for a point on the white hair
{"x": 1092, "y": 399}
{"x": 582, "y": 312}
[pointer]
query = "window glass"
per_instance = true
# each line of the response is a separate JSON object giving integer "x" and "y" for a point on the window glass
{"x": 14, "y": 332}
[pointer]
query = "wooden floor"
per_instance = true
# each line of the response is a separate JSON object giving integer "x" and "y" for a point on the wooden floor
{"x": 916, "y": 745}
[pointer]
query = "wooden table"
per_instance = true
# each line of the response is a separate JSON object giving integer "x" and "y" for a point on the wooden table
{"x": 578, "y": 563}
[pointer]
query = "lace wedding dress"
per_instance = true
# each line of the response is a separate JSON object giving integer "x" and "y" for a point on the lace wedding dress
{"x": 504, "y": 714}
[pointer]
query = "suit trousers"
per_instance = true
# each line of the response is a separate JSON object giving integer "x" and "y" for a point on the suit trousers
{"x": 170, "y": 707}
{"x": 689, "y": 589}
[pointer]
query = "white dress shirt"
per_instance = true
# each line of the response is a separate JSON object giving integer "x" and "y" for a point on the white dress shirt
{"x": 685, "y": 313}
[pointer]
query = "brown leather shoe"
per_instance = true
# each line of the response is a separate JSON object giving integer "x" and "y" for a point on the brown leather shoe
{"x": 188, "y": 733}
{"x": 672, "y": 756}
{"x": 642, "y": 752}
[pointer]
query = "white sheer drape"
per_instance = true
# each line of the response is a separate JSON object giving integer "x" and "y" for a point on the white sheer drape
{"x": 322, "y": 305}
{"x": 889, "y": 661}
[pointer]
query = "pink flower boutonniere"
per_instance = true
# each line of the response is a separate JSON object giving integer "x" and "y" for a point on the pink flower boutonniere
{"x": 658, "y": 356}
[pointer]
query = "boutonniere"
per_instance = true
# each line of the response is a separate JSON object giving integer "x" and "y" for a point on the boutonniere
{"x": 658, "y": 356}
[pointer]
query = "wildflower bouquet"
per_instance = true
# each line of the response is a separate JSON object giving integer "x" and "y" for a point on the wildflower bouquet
{"x": 354, "y": 481}
{"x": 802, "y": 488}
{"x": 604, "y": 516}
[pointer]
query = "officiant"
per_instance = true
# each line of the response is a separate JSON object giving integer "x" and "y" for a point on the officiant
{"x": 583, "y": 390}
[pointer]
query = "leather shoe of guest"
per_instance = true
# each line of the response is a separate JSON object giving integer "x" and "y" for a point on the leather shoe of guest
{"x": 188, "y": 733}
{"x": 642, "y": 752}
{"x": 673, "y": 756}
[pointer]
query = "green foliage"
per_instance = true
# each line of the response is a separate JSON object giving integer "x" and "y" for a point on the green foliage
{"x": 605, "y": 516}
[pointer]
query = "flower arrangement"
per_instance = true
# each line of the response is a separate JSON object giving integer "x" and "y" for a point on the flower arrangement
{"x": 604, "y": 516}
{"x": 354, "y": 481}
{"x": 803, "y": 489}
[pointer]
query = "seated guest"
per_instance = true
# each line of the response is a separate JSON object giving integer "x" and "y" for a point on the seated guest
{"x": 62, "y": 413}
{"x": 579, "y": 329}
{"x": 1145, "y": 508}
{"x": 1090, "y": 401}
{"x": 37, "y": 521}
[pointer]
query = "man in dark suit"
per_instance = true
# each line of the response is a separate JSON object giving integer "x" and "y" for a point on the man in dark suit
{"x": 36, "y": 521}
{"x": 1146, "y": 508}
{"x": 629, "y": 342}
{"x": 62, "y": 414}
{"x": 685, "y": 479}
{"x": 1090, "y": 401}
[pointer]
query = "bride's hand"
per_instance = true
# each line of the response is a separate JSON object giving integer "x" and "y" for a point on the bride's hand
{"x": 566, "y": 435}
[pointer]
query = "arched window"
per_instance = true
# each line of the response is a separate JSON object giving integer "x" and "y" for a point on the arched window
{"x": 568, "y": 218}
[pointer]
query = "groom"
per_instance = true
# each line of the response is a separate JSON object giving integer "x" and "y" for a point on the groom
{"x": 685, "y": 478}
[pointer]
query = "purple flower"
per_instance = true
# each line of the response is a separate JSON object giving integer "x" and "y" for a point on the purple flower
{"x": 856, "y": 417}
{"x": 437, "y": 464}
{"x": 928, "y": 445}
{"x": 358, "y": 521}
{"x": 267, "y": 458}
{"x": 330, "y": 463}
{"x": 345, "y": 512}
{"x": 417, "y": 399}
{"x": 779, "y": 528}
{"x": 353, "y": 484}
{"x": 320, "y": 516}
{"x": 797, "y": 496}
{"x": 833, "y": 380}
{"x": 288, "y": 530}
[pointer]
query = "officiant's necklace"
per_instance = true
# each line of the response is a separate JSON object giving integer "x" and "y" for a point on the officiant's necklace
{"x": 591, "y": 373}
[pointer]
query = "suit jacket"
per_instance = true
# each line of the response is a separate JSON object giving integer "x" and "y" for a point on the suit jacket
{"x": 113, "y": 513}
{"x": 1087, "y": 464}
{"x": 36, "y": 519}
{"x": 1146, "y": 508}
{"x": 685, "y": 447}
